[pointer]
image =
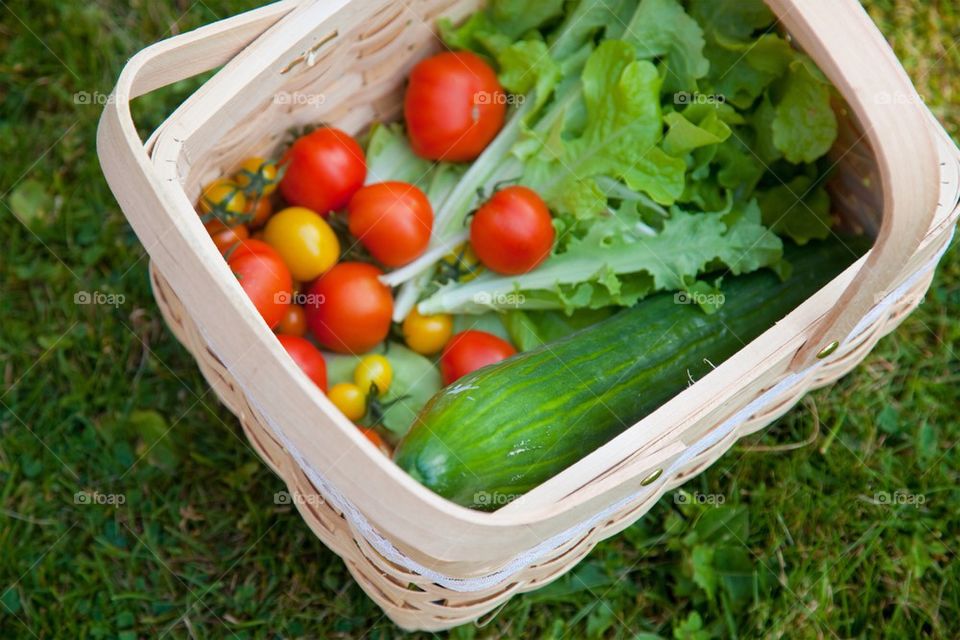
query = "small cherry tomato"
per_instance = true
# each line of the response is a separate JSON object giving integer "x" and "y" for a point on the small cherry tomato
{"x": 374, "y": 437}
{"x": 427, "y": 335}
{"x": 266, "y": 281}
{"x": 259, "y": 211}
{"x": 393, "y": 220}
{"x": 222, "y": 200}
{"x": 454, "y": 106}
{"x": 305, "y": 242}
{"x": 348, "y": 308}
{"x": 472, "y": 350}
{"x": 351, "y": 401}
{"x": 373, "y": 375}
{"x": 308, "y": 358}
{"x": 294, "y": 322}
{"x": 322, "y": 171}
{"x": 257, "y": 177}
{"x": 512, "y": 233}
{"x": 460, "y": 265}
{"x": 226, "y": 238}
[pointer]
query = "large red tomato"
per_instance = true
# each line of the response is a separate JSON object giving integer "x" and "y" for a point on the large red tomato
{"x": 513, "y": 232}
{"x": 308, "y": 358}
{"x": 472, "y": 350}
{"x": 322, "y": 171}
{"x": 454, "y": 106}
{"x": 266, "y": 281}
{"x": 393, "y": 220}
{"x": 348, "y": 309}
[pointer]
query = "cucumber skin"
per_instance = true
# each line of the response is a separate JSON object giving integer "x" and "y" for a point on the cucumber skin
{"x": 500, "y": 431}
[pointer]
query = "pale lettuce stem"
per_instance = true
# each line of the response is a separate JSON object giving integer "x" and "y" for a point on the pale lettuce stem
{"x": 427, "y": 260}
{"x": 457, "y": 205}
{"x": 638, "y": 226}
{"x": 615, "y": 189}
{"x": 406, "y": 298}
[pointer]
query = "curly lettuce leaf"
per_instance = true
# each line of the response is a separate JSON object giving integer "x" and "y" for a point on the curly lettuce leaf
{"x": 687, "y": 246}
{"x": 733, "y": 19}
{"x": 748, "y": 245}
{"x": 684, "y": 136}
{"x": 516, "y": 17}
{"x": 800, "y": 210}
{"x": 805, "y": 126}
{"x": 620, "y": 138}
{"x": 468, "y": 36}
{"x": 390, "y": 157}
{"x": 526, "y": 66}
{"x": 584, "y": 21}
{"x": 502, "y": 23}
{"x": 662, "y": 29}
{"x": 738, "y": 168}
{"x": 741, "y": 66}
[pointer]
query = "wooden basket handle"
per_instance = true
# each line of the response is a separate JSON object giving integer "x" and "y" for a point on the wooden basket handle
{"x": 851, "y": 51}
{"x": 179, "y": 58}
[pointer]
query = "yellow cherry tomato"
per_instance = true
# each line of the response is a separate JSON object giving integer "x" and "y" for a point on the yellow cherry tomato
{"x": 461, "y": 264}
{"x": 305, "y": 241}
{"x": 427, "y": 335}
{"x": 257, "y": 177}
{"x": 223, "y": 198}
{"x": 373, "y": 371}
{"x": 351, "y": 401}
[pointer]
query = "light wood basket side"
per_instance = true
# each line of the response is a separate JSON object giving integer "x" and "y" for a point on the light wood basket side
{"x": 408, "y": 599}
{"x": 898, "y": 132}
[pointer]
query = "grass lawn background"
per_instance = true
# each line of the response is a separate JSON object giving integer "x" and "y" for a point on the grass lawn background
{"x": 103, "y": 399}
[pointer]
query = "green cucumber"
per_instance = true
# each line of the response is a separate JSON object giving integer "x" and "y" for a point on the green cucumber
{"x": 500, "y": 431}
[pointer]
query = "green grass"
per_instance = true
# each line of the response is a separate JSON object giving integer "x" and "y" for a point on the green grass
{"x": 103, "y": 399}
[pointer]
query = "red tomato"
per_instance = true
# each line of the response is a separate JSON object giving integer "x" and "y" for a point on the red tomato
{"x": 248, "y": 247}
{"x": 472, "y": 350}
{"x": 348, "y": 309}
{"x": 454, "y": 107}
{"x": 294, "y": 322}
{"x": 323, "y": 170}
{"x": 374, "y": 437}
{"x": 260, "y": 211}
{"x": 513, "y": 232}
{"x": 393, "y": 220}
{"x": 227, "y": 237}
{"x": 266, "y": 281}
{"x": 308, "y": 358}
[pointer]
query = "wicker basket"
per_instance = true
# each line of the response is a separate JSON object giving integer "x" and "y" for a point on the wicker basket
{"x": 429, "y": 563}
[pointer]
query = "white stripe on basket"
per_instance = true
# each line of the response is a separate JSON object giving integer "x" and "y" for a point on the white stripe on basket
{"x": 531, "y": 556}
